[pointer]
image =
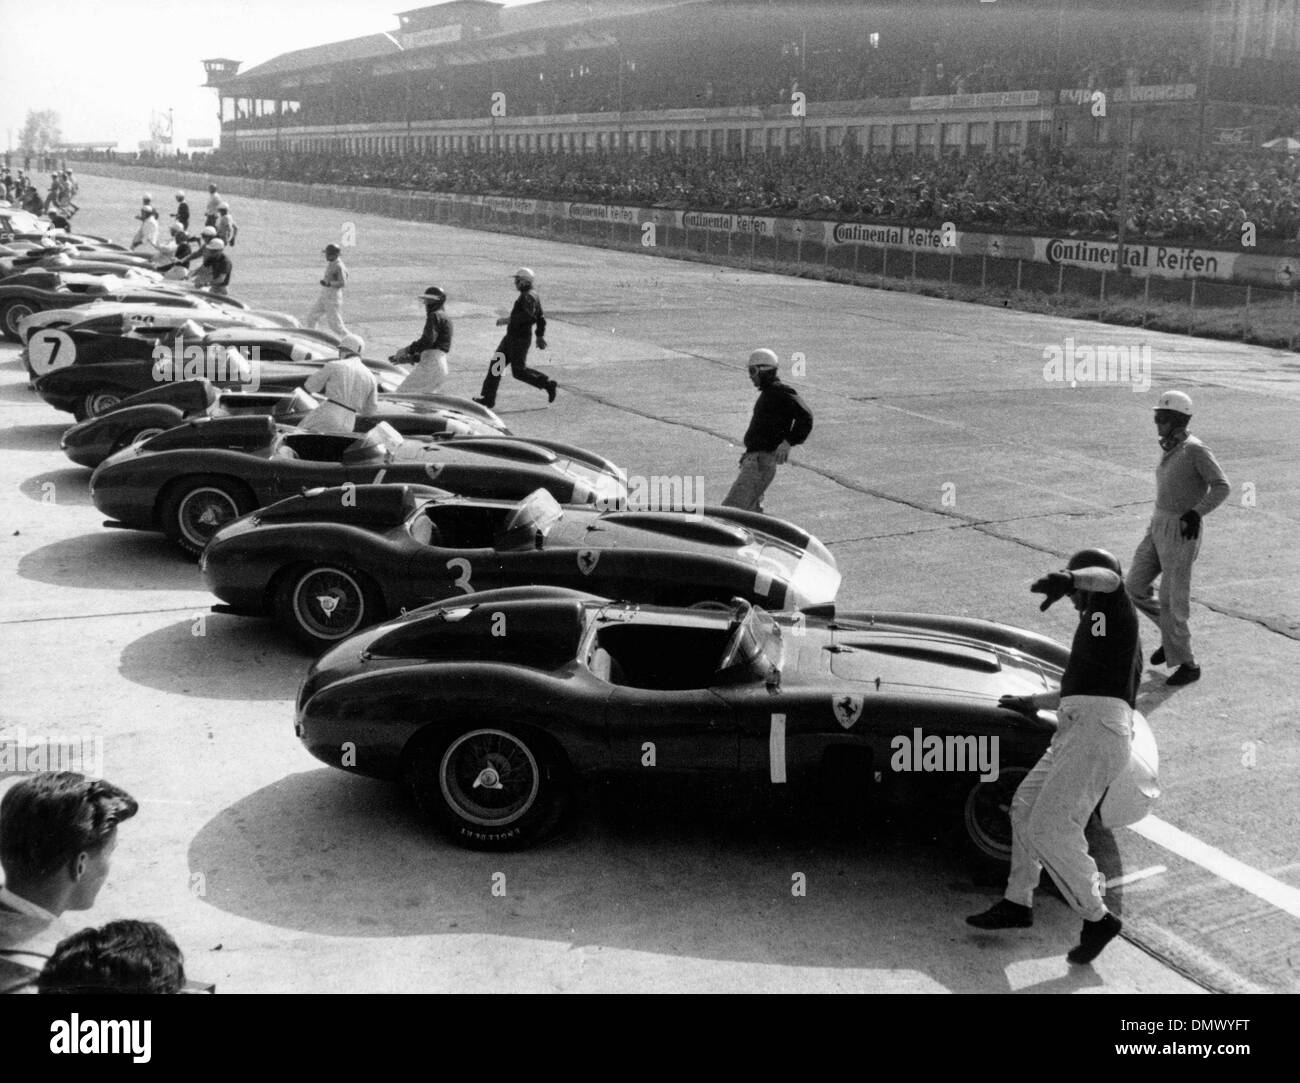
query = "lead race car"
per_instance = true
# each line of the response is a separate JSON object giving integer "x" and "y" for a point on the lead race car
{"x": 122, "y": 317}
{"x": 167, "y": 405}
{"x": 491, "y": 731}
{"x": 107, "y": 367}
{"x": 189, "y": 481}
{"x": 333, "y": 561}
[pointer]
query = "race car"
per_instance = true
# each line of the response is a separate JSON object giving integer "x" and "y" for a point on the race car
{"x": 332, "y": 561}
{"x": 491, "y": 730}
{"x": 70, "y": 261}
{"x": 169, "y": 404}
{"x": 191, "y": 480}
{"x": 36, "y": 291}
{"x": 107, "y": 368}
{"x": 123, "y": 317}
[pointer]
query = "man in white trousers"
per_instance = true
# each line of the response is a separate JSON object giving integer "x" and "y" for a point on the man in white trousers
{"x": 1189, "y": 485}
{"x": 329, "y": 303}
{"x": 1090, "y": 749}
{"x": 428, "y": 353}
{"x": 348, "y": 388}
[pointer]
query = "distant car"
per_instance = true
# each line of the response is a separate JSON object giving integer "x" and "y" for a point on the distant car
{"x": 491, "y": 730}
{"x": 332, "y": 561}
{"x": 123, "y": 317}
{"x": 190, "y": 481}
{"x": 107, "y": 368}
{"x": 35, "y": 291}
{"x": 70, "y": 260}
{"x": 167, "y": 405}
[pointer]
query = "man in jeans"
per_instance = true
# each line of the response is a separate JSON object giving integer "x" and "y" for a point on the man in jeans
{"x": 780, "y": 421}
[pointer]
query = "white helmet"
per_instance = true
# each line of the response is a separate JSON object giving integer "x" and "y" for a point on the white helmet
{"x": 352, "y": 344}
{"x": 215, "y": 245}
{"x": 763, "y": 359}
{"x": 526, "y": 273}
{"x": 1175, "y": 401}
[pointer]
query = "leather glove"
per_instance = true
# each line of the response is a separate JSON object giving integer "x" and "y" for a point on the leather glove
{"x": 1056, "y": 585}
{"x": 1019, "y": 704}
{"x": 1191, "y": 521}
{"x": 541, "y": 343}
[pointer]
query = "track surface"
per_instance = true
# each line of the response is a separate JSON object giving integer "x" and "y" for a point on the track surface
{"x": 944, "y": 472}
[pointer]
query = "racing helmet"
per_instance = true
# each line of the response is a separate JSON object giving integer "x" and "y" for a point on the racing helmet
{"x": 215, "y": 245}
{"x": 351, "y": 345}
{"x": 1094, "y": 558}
{"x": 1176, "y": 401}
{"x": 763, "y": 359}
{"x": 434, "y": 295}
{"x": 332, "y": 250}
{"x": 526, "y": 273}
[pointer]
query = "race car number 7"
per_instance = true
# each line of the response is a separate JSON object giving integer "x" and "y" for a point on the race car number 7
{"x": 50, "y": 350}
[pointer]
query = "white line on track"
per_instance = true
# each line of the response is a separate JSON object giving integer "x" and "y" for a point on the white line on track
{"x": 1134, "y": 877}
{"x": 1259, "y": 884}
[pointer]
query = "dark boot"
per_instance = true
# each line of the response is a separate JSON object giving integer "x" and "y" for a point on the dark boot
{"x": 1003, "y": 914}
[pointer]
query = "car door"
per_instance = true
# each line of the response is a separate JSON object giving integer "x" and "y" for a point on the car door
{"x": 691, "y": 732}
{"x": 437, "y": 572}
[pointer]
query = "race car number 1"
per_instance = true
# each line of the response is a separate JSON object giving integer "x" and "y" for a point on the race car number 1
{"x": 50, "y": 350}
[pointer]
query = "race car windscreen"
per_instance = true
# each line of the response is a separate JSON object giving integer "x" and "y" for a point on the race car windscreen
{"x": 761, "y": 648}
{"x": 536, "y": 514}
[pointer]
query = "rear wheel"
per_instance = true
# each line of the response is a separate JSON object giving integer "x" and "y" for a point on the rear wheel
{"x": 135, "y": 436}
{"x": 491, "y": 787}
{"x": 986, "y": 815}
{"x": 11, "y": 312}
{"x": 196, "y": 508}
{"x": 326, "y": 603}
{"x": 94, "y": 403}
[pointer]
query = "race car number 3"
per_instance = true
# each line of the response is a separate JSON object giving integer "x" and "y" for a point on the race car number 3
{"x": 50, "y": 350}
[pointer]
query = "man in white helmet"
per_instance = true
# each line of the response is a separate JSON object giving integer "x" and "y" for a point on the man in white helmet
{"x": 780, "y": 421}
{"x": 1189, "y": 485}
{"x": 347, "y": 387}
{"x": 513, "y": 349}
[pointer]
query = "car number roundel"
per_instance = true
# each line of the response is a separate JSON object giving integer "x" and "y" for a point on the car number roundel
{"x": 50, "y": 350}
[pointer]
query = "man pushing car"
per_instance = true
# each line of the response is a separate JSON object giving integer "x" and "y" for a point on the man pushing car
{"x": 1090, "y": 749}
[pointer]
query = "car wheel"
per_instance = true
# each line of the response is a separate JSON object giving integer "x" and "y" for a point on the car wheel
{"x": 135, "y": 436}
{"x": 11, "y": 312}
{"x": 491, "y": 788}
{"x": 196, "y": 508}
{"x": 94, "y": 403}
{"x": 326, "y": 603}
{"x": 986, "y": 815}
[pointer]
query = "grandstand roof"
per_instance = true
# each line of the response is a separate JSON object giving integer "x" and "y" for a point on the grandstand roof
{"x": 487, "y": 22}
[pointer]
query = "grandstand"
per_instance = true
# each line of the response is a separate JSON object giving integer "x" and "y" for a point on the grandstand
{"x": 739, "y": 78}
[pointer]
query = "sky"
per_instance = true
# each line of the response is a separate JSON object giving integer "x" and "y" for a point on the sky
{"x": 106, "y": 65}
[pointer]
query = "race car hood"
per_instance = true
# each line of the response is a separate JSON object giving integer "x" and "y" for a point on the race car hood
{"x": 921, "y": 661}
{"x": 810, "y": 570}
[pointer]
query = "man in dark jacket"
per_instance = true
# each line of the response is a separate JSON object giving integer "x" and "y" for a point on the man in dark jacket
{"x": 780, "y": 421}
{"x": 513, "y": 348}
{"x": 428, "y": 353}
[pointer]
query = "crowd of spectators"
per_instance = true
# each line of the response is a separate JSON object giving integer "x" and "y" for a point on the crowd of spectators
{"x": 1173, "y": 196}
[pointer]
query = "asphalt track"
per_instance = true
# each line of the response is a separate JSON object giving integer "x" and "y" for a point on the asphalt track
{"x": 945, "y": 473}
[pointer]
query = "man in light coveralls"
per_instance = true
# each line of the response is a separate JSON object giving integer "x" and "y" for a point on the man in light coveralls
{"x": 348, "y": 387}
{"x": 1189, "y": 485}
{"x": 1089, "y": 750}
{"x": 329, "y": 303}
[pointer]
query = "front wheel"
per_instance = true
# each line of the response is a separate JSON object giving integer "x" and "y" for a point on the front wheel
{"x": 94, "y": 403}
{"x": 136, "y": 436}
{"x": 326, "y": 603}
{"x": 491, "y": 788}
{"x": 986, "y": 815}
{"x": 11, "y": 314}
{"x": 197, "y": 508}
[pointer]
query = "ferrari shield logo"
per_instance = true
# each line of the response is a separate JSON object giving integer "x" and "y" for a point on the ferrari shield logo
{"x": 587, "y": 560}
{"x": 433, "y": 470}
{"x": 847, "y": 709}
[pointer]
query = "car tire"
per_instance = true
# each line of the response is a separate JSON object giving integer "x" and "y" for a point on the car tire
{"x": 11, "y": 312}
{"x": 986, "y": 816}
{"x": 491, "y": 787}
{"x": 298, "y": 603}
{"x": 94, "y": 403}
{"x": 195, "y": 508}
{"x": 132, "y": 436}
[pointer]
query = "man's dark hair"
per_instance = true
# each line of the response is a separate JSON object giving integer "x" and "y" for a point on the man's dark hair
{"x": 120, "y": 957}
{"x": 49, "y": 818}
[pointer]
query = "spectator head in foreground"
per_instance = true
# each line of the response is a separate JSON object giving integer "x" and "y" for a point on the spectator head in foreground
{"x": 57, "y": 835}
{"x": 126, "y": 957}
